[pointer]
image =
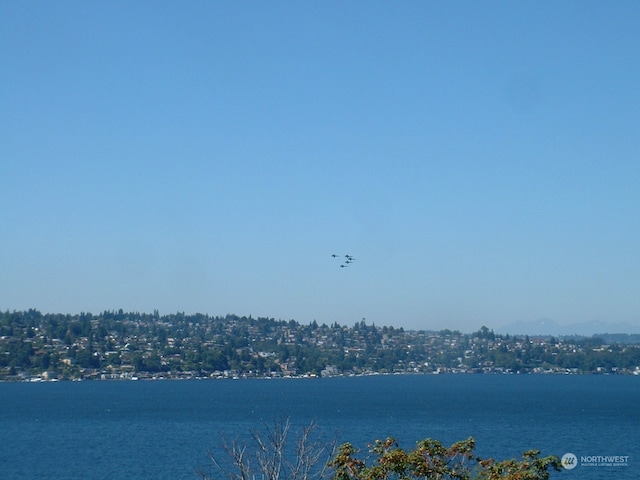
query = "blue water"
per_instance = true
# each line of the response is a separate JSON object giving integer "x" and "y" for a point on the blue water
{"x": 164, "y": 429}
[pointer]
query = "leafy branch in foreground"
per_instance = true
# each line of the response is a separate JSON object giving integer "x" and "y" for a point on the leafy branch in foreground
{"x": 274, "y": 457}
{"x": 431, "y": 460}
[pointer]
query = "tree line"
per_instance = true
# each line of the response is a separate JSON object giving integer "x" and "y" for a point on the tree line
{"x": 73, "y": 346}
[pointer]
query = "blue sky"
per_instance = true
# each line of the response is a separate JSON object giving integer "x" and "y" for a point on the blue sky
{"x": 480, "y": 160}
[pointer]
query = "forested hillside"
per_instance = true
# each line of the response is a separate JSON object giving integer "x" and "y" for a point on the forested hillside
{"x": 114, "y": 344}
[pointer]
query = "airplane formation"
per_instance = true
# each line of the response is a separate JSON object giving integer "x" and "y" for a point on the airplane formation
{"x": 348, "y": 260}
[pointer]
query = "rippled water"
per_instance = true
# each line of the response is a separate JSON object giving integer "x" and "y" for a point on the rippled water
{"x": 164, "y": 429}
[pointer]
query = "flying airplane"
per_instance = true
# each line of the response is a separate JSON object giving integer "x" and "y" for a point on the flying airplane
{"x": 345, "y": 264}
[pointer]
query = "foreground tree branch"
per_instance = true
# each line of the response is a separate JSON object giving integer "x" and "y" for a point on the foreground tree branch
{"x": 431, "y": 460}
{"x": 275, "y": 456}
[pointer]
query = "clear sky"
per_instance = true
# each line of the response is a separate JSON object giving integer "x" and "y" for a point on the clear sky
{"x": 480, "y": 160}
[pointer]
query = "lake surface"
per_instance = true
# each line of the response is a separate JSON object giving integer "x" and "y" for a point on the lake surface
{"x": 164, "y": 429}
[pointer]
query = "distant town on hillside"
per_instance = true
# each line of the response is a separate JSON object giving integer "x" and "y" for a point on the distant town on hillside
{"x": 120, "y": 345}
